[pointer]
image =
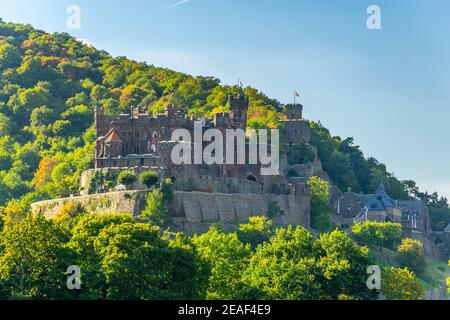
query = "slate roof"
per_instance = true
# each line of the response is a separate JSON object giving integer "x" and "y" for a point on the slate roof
{"x": 378, "y": 201}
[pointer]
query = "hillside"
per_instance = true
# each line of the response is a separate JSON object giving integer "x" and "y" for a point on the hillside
{"x": 50, "y": 84}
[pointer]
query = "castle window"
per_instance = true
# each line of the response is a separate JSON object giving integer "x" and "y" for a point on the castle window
{"x": 136, "y": 134}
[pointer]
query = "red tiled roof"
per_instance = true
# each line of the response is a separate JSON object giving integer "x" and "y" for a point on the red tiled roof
{"x": 113, "y": 136}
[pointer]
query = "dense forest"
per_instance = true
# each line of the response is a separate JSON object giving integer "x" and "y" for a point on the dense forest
{"x": 49, "y": 85}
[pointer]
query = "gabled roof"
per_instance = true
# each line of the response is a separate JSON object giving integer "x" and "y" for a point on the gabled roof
{"x": 378, "y": 201}
{"x": 113, "y": 136}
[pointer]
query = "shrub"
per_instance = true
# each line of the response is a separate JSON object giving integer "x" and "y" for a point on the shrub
{"x": 320, "y": 204}
{"x": 149, "y": 178}
{"x": 380, "y": 234}
{"x": 167, "y": 190}
{"x": 410, "y": 254}
{"x": 401, "y": 284}
{"x": 126, "y": 177}
{"x": 156, "y": 210}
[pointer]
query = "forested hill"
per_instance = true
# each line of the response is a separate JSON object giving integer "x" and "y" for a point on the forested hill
{"x": 50, "y": 83}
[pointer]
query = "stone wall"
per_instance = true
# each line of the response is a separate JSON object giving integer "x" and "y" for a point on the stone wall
{"x": 186, "y": 180}
{"x": 201, "y": 210}
{"x": 191, "y": 211}
{"x": 123, "y": 202}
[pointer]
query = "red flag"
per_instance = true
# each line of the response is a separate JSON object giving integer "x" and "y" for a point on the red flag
{"x": 296, "y": 94}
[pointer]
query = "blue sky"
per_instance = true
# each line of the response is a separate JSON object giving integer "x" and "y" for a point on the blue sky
{"x": 388, "y": 88}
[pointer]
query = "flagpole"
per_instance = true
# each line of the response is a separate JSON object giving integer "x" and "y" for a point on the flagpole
{"x": 294, "y": 97}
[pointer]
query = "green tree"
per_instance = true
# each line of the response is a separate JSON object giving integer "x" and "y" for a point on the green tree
{"x": 401, "y": 284}
{"x": 84, "y": 231}
{"x": 285, "y": 267}
{"x": 42, "y": 116}
{"x": 33, "y": 260}
{"x": 149, "y": 178}
{"x": 258, "y": 230}
{"x": 301, "y": 154}
{"x": 156, "y": 210}
{"x": 411, "y": 254}
{"x": 227, "y": 257}
{"x": 80, "y": 118}
{"x": 344, "y": 266}
{"x": 139, "y": 264}
{"x": 379, "y": 234}
{"x": 321, "y": 208}
{"x": 9, "y": 56}
{"x": 126, "y": 177}
{"x": 7, "y": 127}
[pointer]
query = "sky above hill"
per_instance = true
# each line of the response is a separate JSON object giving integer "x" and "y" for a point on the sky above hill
{"x": 388, "y": 88}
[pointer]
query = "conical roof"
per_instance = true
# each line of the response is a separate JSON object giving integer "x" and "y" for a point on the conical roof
{"x": 113, "y": 136}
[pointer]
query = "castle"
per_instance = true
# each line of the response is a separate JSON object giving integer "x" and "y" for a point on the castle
{"x": 141, "y": 141}
{"x": 204, "y": 194}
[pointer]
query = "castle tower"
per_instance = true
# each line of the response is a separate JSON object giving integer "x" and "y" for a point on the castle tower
{"x": 238, "y": 111}
{"x": 294, "y": 111}
{"x": 296, "y": 129}
{"x": 98, "y": 115}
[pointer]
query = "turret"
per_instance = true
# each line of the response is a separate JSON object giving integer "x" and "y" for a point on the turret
{"x": 296, "y": 129}
{"x": 238, "y": 111}
{"x": 294, "y": 111}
